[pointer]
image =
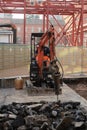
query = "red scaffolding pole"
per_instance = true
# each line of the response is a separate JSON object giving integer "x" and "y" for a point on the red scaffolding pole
{"x": 81, "y": 34}
{"x": 68, "y": 8}
{"x": 24, "y": 39}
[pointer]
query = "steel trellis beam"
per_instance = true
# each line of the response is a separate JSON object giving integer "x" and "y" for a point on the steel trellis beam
{"x": 50, "y": 7}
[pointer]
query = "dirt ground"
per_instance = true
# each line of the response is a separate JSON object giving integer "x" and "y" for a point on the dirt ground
{"x": 80, "y": 86}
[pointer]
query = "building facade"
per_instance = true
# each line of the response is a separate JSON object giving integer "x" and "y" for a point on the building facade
{"x": 33, "y": 25}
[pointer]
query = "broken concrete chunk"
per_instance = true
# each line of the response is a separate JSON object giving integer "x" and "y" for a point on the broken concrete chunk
{"x": 44, "y": 126}
{"x": 78, "y": 124}
{"x": 64, "y": 124}
{"x": 54, "y": 113}
{"x": 22, "y": 128}
{"x": 19, "y": 121}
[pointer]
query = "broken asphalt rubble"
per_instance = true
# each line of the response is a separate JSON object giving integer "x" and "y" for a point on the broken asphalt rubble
{"x": 43, "y": 116}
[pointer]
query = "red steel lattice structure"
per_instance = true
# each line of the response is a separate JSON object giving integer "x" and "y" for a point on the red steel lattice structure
{"x": 74, "y": 10}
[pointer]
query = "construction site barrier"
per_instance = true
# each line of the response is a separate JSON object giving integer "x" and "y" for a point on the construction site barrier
{"x": 15, "y": 59}
{"x": 73, "y": 59}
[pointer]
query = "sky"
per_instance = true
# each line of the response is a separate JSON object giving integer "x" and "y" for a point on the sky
{"x": 20, "y": 16}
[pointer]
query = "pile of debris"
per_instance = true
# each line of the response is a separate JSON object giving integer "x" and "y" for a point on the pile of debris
{"x": 43, "y": 116}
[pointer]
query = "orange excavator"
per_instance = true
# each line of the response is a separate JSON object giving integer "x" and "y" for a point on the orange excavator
{"x": 44, "y": 68}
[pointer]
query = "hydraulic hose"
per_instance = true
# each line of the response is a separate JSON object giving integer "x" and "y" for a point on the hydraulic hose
{"x": 61, "y": 67}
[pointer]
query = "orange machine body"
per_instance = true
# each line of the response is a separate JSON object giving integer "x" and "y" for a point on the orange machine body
{"x": 48, "y": 39}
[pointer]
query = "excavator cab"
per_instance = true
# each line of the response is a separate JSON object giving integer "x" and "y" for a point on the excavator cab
{"x": 35, "y": 76}
{"x": 34, "y": 68}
